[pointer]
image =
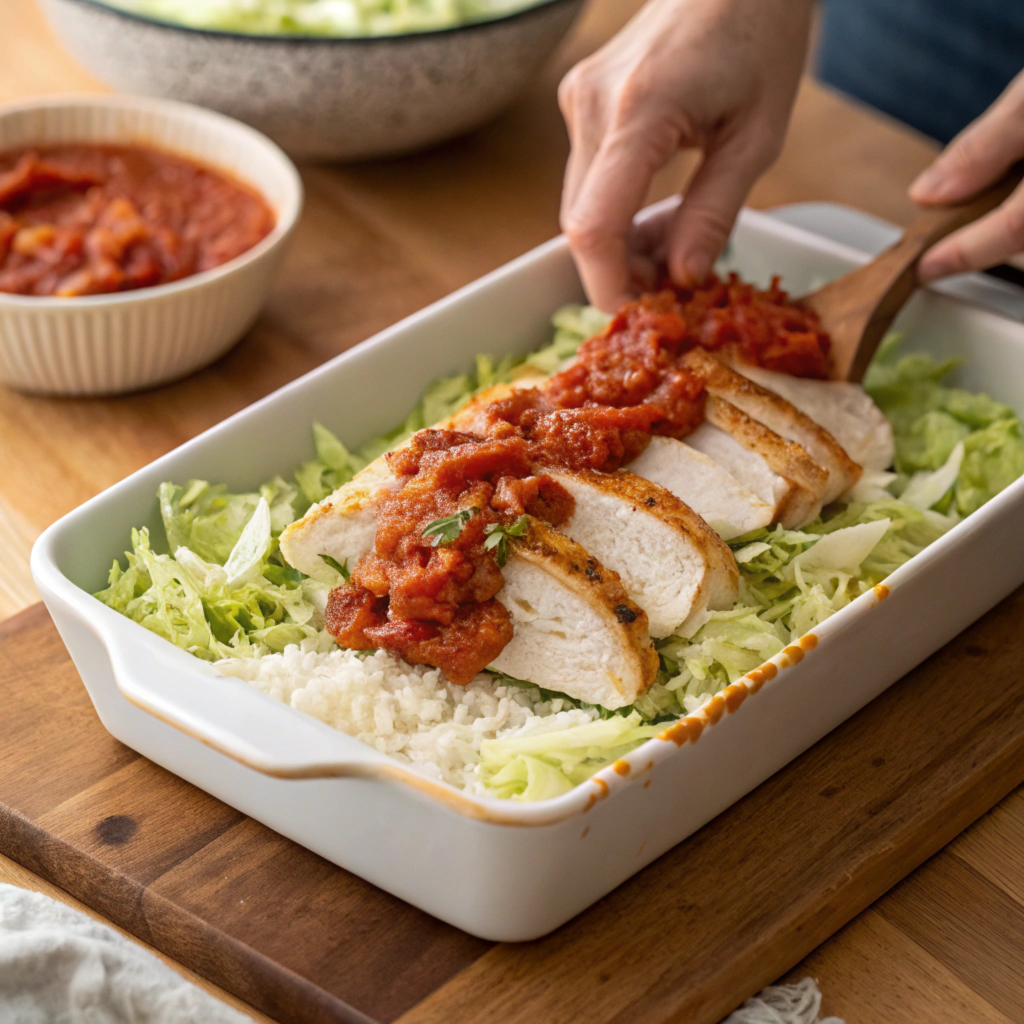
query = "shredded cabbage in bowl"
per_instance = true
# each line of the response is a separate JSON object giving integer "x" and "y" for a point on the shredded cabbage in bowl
{"x": 223, "y": 590}
{"x": 340, "y": 18}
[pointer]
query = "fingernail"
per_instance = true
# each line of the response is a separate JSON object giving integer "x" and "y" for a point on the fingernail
{"x": 929, "y": 184}
{"x": 694, "y": 269}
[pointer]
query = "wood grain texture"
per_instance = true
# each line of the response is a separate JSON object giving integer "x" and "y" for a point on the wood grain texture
{"x": 703, "y": 927}
{"x": 872, "y": 972}
{"x": 994, "y": 847}
{"x": 949, "y": 909}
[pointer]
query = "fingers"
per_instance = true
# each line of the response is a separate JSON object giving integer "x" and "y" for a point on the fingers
{"x": 649, "y": 236}
{"x": 980, "y": 154}
{"x": 647, "y": 253}
{"x": 581, "y": 109}
{"x": 702, "y": 224}
{"x": 598, "y": 221}
{"x": 982, "y": 244}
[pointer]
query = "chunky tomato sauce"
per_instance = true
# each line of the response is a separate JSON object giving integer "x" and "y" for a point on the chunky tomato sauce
{"x": 598, "y": 437}
{"x": 761, "y": 326}
{"x": 84, "y": 219}
{"x": 431, "y": 598}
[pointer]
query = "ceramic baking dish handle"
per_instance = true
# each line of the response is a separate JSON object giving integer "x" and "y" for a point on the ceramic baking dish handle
{"x": 229, "y": 716}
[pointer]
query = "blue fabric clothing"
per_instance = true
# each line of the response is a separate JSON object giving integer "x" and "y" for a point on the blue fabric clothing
{"x": 933, "y": 64}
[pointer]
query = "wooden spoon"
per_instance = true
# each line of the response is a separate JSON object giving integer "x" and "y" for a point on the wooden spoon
{"x": 858, "y": 308}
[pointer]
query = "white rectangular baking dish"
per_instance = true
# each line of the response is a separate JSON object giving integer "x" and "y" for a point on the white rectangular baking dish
{"x": 502, "y": 870}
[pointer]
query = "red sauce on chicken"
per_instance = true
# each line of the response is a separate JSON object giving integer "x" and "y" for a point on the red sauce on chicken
{"x": 90, "y": 219}
{"x": 634, "y": 364}
{"x": 431, "y": 598}
{"x": 598, "y": 437}
{"x": 426, "y": 591}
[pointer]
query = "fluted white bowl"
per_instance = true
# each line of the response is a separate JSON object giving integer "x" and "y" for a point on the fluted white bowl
{"x": 126, "y": 341}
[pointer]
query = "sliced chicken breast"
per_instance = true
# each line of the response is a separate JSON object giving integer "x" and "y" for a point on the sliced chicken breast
{"x": 707, "y": 486}
{"x": 342, "y": 526}
{"x": 779, "y": 471}
{"x": 845, "y": 410}
{"x": 637, "y": 558}
{"x": 672, "y": 564}
{"x": 575, "y": 629}
{"x": 778, "y": 415}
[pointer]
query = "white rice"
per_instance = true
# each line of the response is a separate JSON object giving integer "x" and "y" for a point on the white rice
{"x": 408, "y": 711}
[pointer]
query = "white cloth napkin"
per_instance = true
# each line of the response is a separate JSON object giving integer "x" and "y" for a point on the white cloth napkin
{"x": 783, "y": 1004}
{"x": 58, "y": 966}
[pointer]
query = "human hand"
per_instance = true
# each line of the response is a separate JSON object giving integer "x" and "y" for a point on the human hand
{"x": 716, "y": 75}
{"x": 979, "y": 156}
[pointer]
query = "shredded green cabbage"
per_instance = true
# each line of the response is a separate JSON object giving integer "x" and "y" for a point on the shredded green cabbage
{"x": 343, "y": 18}
{"x": 334, "y": 465}
{"x": 790, "y": 582}
{"x": 226, "y": 591}
{"x": 930, "y": 419}
{"x": 541, "y": 761}
{"x": 199, "y": 607}
{"x": 208, "y": 520}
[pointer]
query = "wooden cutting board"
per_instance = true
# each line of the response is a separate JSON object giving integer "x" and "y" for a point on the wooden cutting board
{"x": 708, "y": 924}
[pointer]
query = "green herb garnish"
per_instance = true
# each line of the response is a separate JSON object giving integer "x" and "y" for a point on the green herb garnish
{"x": 498, "y": 535}
{"x": 339, "y": 567}
{"x": 444, "y": 531}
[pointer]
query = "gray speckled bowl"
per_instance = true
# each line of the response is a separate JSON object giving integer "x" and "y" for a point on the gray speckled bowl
{"x": 323, "y": 98}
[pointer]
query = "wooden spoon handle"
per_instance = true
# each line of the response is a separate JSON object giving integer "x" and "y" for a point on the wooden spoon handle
{"x": 934, "y": 224}
{"x": 858, "y": 309}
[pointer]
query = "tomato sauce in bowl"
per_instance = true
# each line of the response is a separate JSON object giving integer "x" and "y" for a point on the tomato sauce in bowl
{"x": 84, "y": 219}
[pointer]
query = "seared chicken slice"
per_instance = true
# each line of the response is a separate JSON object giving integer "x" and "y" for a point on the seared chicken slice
{"x": 575, "y": 629}
{"x": 845, "y": 410}
{"x": 672, "y": 564}
{"x": 780, "y": 472}
{"x": 778, "y": 415}
{"x": 342, "y": 526}
{"x": 718, "y": 497}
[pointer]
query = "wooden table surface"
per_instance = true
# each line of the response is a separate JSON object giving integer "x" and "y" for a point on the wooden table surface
{"x": 378, "y": 241}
